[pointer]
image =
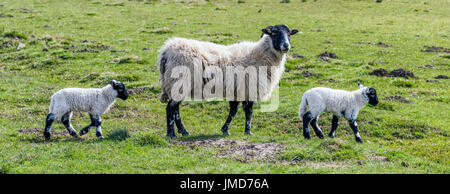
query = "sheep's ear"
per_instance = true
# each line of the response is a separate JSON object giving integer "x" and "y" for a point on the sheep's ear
{"x": 360, "y": 86}
{"x": 294, "y": 31}
{"x": 267, "y": 30}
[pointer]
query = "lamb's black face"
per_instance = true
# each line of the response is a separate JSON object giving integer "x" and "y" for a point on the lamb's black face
{"x": 280, "y": 35}
{"x": 372, "y": 95}
{"x": 122, "y": 92}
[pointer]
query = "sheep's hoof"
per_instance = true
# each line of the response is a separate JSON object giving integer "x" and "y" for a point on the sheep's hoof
{"x": 100, "y": 137}
{"x": 184, "y": 132}
{"x": 249, "y": 133}
{"x": 307, "y": 136}
{"x": 331, "y": 135}
{"x": 171, "y": 136}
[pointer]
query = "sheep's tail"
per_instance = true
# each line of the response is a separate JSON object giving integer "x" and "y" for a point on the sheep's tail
{"x": 52, "y": 105}
{"x": 162, "y": 59}
{"x": 302, "y": 108}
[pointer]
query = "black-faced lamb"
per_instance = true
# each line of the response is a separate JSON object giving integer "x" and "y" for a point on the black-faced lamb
{"x": 339, "y": 102}
{"x": 95, "y": 101}
{"x": 269, "y": 51}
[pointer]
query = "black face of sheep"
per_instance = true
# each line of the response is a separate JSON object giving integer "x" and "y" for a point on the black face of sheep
{"x": 122, "y": 92}
{"x": 280, "y": 35}
{"x": 372, "y": 95}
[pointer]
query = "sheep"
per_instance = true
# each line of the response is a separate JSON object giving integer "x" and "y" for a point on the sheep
{"x": 95, "y": 101}
{"x": 339, "y": 102}
{"x": 242, "y": 57}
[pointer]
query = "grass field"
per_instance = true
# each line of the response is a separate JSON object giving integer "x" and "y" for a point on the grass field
{"x": 86, "y": 43}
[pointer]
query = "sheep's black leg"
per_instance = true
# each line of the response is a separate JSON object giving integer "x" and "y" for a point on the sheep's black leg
{"x": 233, "y": 110}
{"x": 88, "y": 128}
{"x": 334, "y": 126}
{"x": 179, "y": 121}
{"x": 48, "y": 125}
{"x": 170, "y": 117}
{"x": 248, "y": 108}
{"x": 307, "y": 117}
{"x": 354, "y": 127}
{"x": 65, "y": 119}
{"x": 316, "y": 128}
{"x": 97, "y": 122}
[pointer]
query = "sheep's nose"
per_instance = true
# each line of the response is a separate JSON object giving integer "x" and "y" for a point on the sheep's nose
{"x": 285, "y": 47}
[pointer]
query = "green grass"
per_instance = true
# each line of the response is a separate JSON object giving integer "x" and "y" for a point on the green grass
{"x": 395, "y": 133}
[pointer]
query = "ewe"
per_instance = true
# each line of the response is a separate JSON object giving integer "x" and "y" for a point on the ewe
{"x": 243, "y": 58}
{"x": 339, "y": 102}
{"x": 95, "y": 101}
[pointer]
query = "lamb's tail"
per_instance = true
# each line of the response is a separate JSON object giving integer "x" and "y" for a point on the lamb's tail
{"x": 162, "y": 59}
{"x": 52, "y": 105}
{"x": 302, "y": 109}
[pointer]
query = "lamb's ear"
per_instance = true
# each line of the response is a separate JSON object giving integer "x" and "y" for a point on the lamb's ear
{"x": 267, "y": 30}
{"x": 360, "y": 86}
{"x": 294, "y": 31}
{"x": 113, "y": 82}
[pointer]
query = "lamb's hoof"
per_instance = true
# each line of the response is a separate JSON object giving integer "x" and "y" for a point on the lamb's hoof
{"x": 101, "y": 137}
{"x": 331, "y": 135}
{"x": 84, "y": 131}
{"x": 184, "y": 132}
{"x": 359, "y": 140}
{"x": 227, "y": 133}
{"x": 321, "y": 136}
{"x": 307, "y": 136}
{"x": 249, "y": 133}
{"x": 74, "y": 134}
{"x": 47, "y": 136}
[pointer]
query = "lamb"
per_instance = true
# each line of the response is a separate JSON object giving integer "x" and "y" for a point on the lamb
{"x": 339, "y": 102}
{"x": 95, "y": 101}
{"x": 244, "y": 57}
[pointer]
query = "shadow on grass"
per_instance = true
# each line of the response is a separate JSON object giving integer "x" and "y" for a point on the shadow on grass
{"x": 201, "y": 137}
{"x": 118, "y": 135}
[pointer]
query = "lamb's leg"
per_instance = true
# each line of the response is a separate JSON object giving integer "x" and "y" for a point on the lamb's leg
{"x": 179, "y": 121}
{"x": 334, "y": 126}
{"x": 354, "y": 127}
{"x": 307, "y": 117}
{"x": 97, "y": 123}
{"x": 170, "y": 117}
{"x": 248, "y": 108}
{"x": 48, "y": 125}
{"x": 316, "y": 128}
{"x": 233, "y": 110}
{"x": 65, "y": 119}
{"x": 88, "y": 128}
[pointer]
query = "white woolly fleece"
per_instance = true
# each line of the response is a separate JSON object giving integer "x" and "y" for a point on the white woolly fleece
{"x": 91, "y": 100}
{"x": 339, "y": 102}
{"x": 190, "y": 53}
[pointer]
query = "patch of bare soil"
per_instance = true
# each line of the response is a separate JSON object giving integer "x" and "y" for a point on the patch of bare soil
{"x": 40, "y": 132}
{"x": 428, "y": 66}
{"x": 441, "y": 77}
{"x": 139, "y": 90}
{"x": 432, "y": 80}
{"x": 383, "y": 44}
{"x": 240, "y": 150}
{"x": 85, "y": 51}
{"x": 24, "y": 10}
{"x": 326, "y": 56}
{"x": 309, "y": 74}
{"x": 326, "y": 80}
{"x": 395, "y": 73}
{"x": 399, "y": 98}
{"x": 374, "y": 157}
{"x": 297, "y": 56}
{"x": 6, "y": 16}
{"x": 436, "y": 49}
